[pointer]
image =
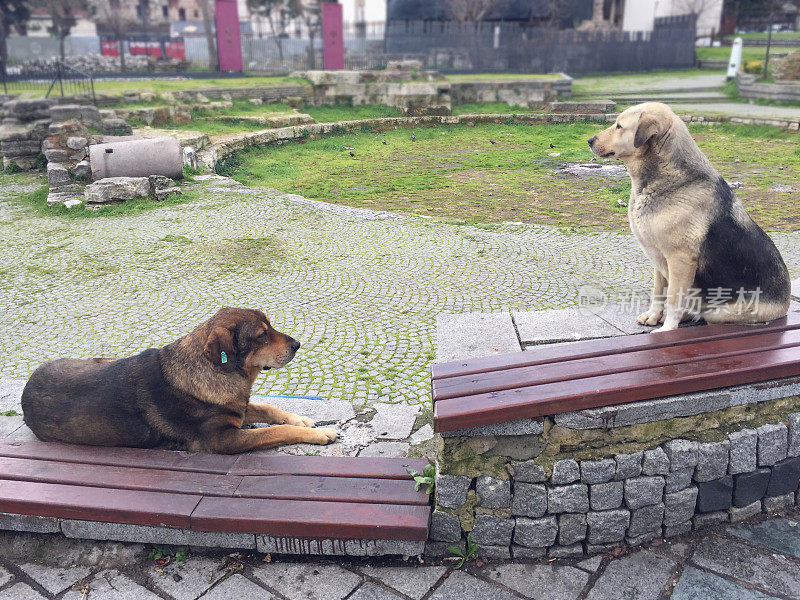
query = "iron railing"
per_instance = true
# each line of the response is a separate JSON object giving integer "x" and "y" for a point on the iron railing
{"x": 53, "y": 78}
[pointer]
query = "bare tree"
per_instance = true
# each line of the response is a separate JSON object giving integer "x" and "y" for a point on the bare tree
{"x": 13, "y": 15}
{"x": 310, "y": 12}
{"x": 701, "y": 10}
{"x": 211, "y": 42}
{"x": 63, "y": 16}
{"x": 277, "y": 13}
{"x": 112, "y": 18}
{"x": 470, "y": 10}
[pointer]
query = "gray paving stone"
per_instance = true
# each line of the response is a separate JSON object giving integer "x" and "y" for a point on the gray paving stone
{"x": 676, "y": 530}
{"x": 565, "y": 471}
{"x": 682, "y": 454}
{"x": 571, "y": 528}
{"x": 451, "y": 490}
{"x": 760, "y": 567}
{"x": 568, "y": 498}
{"x": 527, "y": 471}
{"x": 737, "y": 514}
{"x": 460, "y": 586}
{"x": 678, "y": 480}
{"x": 371, "y": 591}
{"x": 562, "y": 325}
{"x": 307, "y": 581}
{"x": 55, "y": 580}
{"x": 535, "y": 533}
{"x": 530, "y": 500}
{"x": 322, "y": 413}
{"x": 97, "y": 530}
{"x": 772, "y": 444}
{"x": 31, "y": 523}
{"x": 796, "y": 288}
{"x": 701, "y": 521}
{"x": 20, "y": 591}
{"x": 492, "y": 492}
{"x": 590, "y": 564}
{"x": 712, "y": 460}
{"x": 645, "y": 411}
{"x": 628, "y": 465}
{"x": 743, "y": 451}
{"x": 605, "y": 496}
{"x": 520, "y": 427}
{"x": 471, "y": 335}
{"x": 777, "y": 503}
{"x": 11, "y": 394}
{"x": 646, "y": 520}
{"x": 638, "y": 576}
{"x": 494, "y": 552}
{"x": 444, "y": 527}
{"x": 386, "y": 449}
{"x": 598, "y": 471}
{"x": 695, "y": 584}
{"x": 607, "y": 526}
{"x": 540, "y": 581}
{"x": 5, "y": 577}
{"x": 423, "y": 434}
{"x": 9, "y": 426}
{"x": 239, "y": 587}
{"x": 411, "y": 581}
{"x": 782, "y": 535}
{"x": 394, "y": 421}
{"x": 642, "y": 539}
{"x": 794, "y": 435}
{"x": 679, "y": 506}
{"x": 655, "y": 462}
{"x": 765, "y": 390}
{"x": 524, "y": 553}
{"x": 112, "y": 585}
{"x": 642, "y": 491}
{"x": 196, "y": 575}
{"x": 490, "y": 530}
{"x": 569, "y": 551}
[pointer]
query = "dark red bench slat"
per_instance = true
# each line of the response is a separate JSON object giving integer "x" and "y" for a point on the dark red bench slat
{"x": 601, "y": 347}
{"x": 143, "y": 458}
{"x": 97, "y": 504}
{"x": 330, "y": 466}
{"x": 126, "y": 478}
{"x": 299, "y": 518}
{"x": 332, "y": 489}
{"x": 467, "y": 385}
{"x": 606, "y": 390}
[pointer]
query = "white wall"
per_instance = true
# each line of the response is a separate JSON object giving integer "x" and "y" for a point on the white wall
{"x": 374, "y": 10}
{"x": 639, "y": 15}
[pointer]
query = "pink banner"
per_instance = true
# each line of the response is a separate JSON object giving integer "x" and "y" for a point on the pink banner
{"x": 332, "y": 36}
{"x": 229, "y": 41}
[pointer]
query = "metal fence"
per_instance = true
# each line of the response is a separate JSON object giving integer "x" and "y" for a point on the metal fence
{"x": 55, "y": 79}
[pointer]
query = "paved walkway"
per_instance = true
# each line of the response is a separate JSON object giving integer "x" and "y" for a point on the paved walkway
{"x": 738, "y": 109}
{"x": 740, "y": 562}
{"x": 360, "y": 289}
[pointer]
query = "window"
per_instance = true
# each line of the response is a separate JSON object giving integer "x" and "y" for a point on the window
{"x": 196, "y": 14}
{"x": 181, "y": 14}
{"x": 165, "y": 11}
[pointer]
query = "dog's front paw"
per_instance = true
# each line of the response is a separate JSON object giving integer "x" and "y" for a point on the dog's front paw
{"x": 664, "y": 328}
{"x": 298, "y": 420}
{"x": 321, "y": 436}
{"x": 651, "y": 318}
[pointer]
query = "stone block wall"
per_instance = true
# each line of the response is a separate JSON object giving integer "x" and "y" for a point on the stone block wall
{"x": 784, "y": 91}
{"x": 584, "y": 482}
{"x": 25, "y": 125}
{"x": 514, "y": 92}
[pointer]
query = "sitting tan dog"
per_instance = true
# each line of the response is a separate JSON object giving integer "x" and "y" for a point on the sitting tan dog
{"x": 711, "y": 260}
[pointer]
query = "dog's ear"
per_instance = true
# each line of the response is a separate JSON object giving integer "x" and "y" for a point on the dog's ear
{"x": 220, "y": 350}
{"x": 648, "y": 127}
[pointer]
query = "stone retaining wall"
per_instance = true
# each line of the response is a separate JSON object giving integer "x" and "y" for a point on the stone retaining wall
{"x": 514, "y": 92}
{"x": 593, "y": 480}
{"x": 784, "y": 91}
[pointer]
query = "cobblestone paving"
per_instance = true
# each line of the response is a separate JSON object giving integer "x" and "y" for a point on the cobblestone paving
{"x": 756, "y": 560}
{"x": 360, "y": 289}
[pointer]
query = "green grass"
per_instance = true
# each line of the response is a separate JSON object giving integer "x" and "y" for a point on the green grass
{"x": 596, "y": 84}
{"x": 777, "y": 35}
{"x": 492, "y": 108}
{"x": 501, "y": 76}
{"x": 748, "y": 52}
{"x": 458, "y": 175}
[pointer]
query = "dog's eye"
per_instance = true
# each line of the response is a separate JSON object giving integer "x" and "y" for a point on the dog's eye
{"x": 619, "y": 126}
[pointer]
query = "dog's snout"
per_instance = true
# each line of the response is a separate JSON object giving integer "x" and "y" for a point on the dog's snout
{"x": 295, "y": 345}
{"x": 591, "y": 141}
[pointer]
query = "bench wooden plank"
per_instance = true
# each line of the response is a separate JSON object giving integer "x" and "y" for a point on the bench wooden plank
{"x": 332, "y": 489}
{"x": 601, "y": 347}
{"x": 506, "y": 379}
{"x": 143, "y": 458}
{"x": 299, "y": 518}
{"x": 605, "y": 390}
{"x": 97, "y": 504}
{"x": 330, "y": 466}
{"x": 126, "y": 478}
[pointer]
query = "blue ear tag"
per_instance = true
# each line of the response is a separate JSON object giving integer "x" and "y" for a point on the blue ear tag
{"x": 223, "y": 357}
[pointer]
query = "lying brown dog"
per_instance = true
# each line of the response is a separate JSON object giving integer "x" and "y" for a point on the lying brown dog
{"x": 193, "y": 394}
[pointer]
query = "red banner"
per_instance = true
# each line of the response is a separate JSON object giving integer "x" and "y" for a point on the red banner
{"x": 176, "y": 49}
{"x": 332, "y": 36}
{"x": 154, "y": 49}
{"x": 137, "y": 47}
{"x": 109, "y": 48}
{"x": 229, "y": 41}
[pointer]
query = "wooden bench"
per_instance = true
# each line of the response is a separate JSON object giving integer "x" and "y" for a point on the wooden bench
{"x": 294, "y": 496}
{"x": 580, "y": 375}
